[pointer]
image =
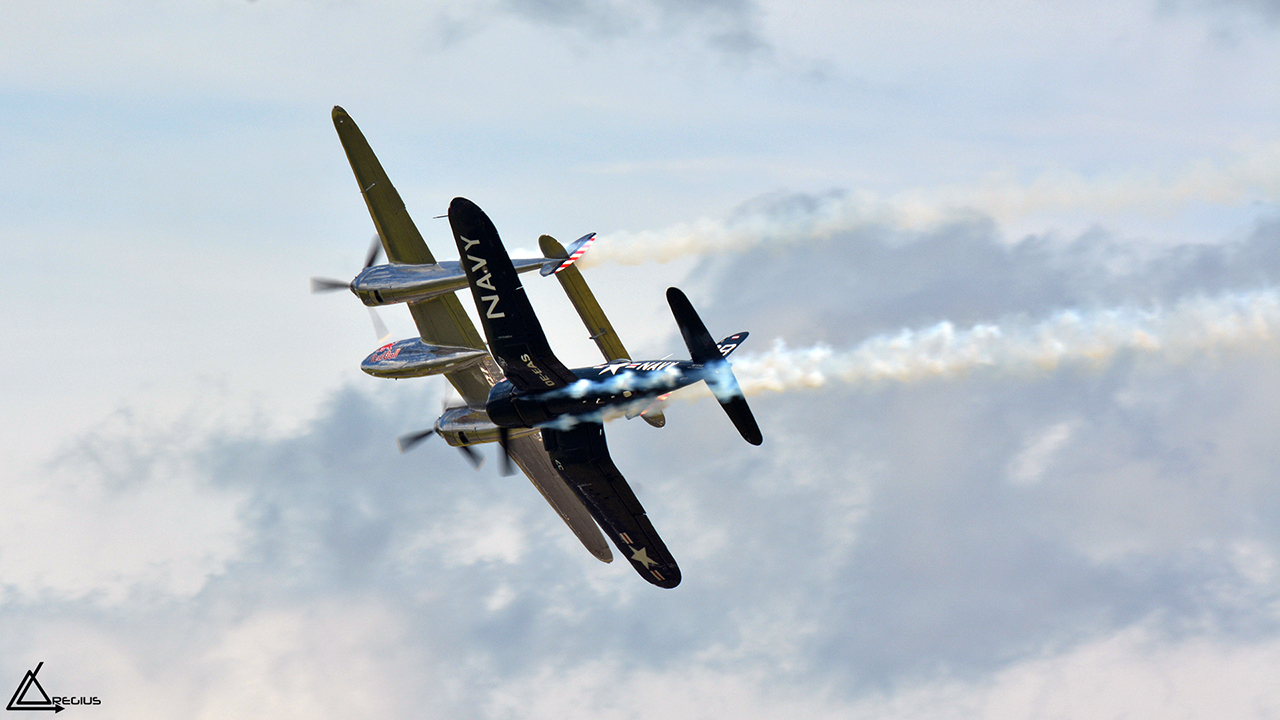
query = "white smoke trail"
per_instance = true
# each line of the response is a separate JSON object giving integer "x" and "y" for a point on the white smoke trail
{"x": 1046, "y": 202}
{"x": 1190, "y": 326}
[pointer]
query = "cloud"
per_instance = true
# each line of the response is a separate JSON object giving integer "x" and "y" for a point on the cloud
{"x": 730, "y": 29}
{"x": 125, "y": 515}
{"x": 878, "y": 281}
{"x": 1079, "y": 540}
{"x": 1055, "y": 200}
{"x": 1266, "y": 9}
{"x": 1131, "y": 672}
{"x": 1029, "y": 465}
{"x": 948, "y": 459}
{"x": 1074, "y": 465}
{"x": 1067, "y": 458}
{"x": 870, "y": 558}
{"x": 726, "y": 26}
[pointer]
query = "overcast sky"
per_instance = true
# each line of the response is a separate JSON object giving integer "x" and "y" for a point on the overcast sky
{"x": 1012, "y": 278}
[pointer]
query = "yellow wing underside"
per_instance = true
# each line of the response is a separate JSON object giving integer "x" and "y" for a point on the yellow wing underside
{"x": 598, "y": 325}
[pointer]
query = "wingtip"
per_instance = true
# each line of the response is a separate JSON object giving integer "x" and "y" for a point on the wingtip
{"x": 551, "y": 248}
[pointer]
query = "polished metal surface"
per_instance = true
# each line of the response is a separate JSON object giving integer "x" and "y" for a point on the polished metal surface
{"x": 466, "y": 426}
{"x": 414, "y": 358}
{"x": 398, "y": 283}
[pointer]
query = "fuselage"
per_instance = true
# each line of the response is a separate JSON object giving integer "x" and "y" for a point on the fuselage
{"x": 621, "y": 387}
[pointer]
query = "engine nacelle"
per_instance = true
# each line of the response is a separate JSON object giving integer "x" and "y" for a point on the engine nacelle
{"x": 397, "y": 283}
{"x": 466, "y": 426}
{"x": 414, "y": 358}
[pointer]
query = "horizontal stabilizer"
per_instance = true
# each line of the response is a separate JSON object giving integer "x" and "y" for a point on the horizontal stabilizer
{"x": 574, "y": 251}
{"x": 719, "y": 376}
{"x": 725, "y": 387}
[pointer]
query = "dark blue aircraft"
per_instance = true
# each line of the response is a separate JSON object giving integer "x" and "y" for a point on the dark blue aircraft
{"x": 570, "y": 406}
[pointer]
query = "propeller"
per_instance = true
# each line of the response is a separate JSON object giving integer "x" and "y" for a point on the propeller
{"x": 410, "y": 441}
{"x": 472, "y": 455}
{"x": 504, "y": 437}
{"x": 319, "y": 284}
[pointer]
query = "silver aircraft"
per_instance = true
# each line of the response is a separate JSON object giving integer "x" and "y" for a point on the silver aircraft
{"x": 547, "y": 418}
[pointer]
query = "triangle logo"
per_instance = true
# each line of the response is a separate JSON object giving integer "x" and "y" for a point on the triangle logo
{"x": 31, "y": 696}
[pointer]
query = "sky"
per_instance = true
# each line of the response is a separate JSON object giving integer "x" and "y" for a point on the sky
{"x": 1011, "y": 274}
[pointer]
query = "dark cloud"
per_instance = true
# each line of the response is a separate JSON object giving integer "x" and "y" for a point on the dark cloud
{"x": 874, "y": 540}
{"x": 960, "y": 570}
{"x": 957, "y": 566}
{"x": 882, "y": 523}
{"x": 879, "y": 280}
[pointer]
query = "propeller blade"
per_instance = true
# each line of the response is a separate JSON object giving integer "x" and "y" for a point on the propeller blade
{"x": 472, "y": 456}
{"x": 504, "y": 437}
{"x": 408, "y": 442}
{"x": 319, "y": 285}
{"x": 379, "y": 327}
{"x": 374, "y": 249}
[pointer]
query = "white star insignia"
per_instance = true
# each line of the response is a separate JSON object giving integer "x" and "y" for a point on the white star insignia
{"x": 642, "y": 557}
{"x": 613, "y": 367}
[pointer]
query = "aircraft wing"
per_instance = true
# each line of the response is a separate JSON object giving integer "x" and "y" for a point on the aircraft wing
{"x": 582, "y": 458}
{"x": 598, "y": 325}
{"x": 442, "y": 321}
{"x": 530, "y": 456}
{"x": 515, "y": 336}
